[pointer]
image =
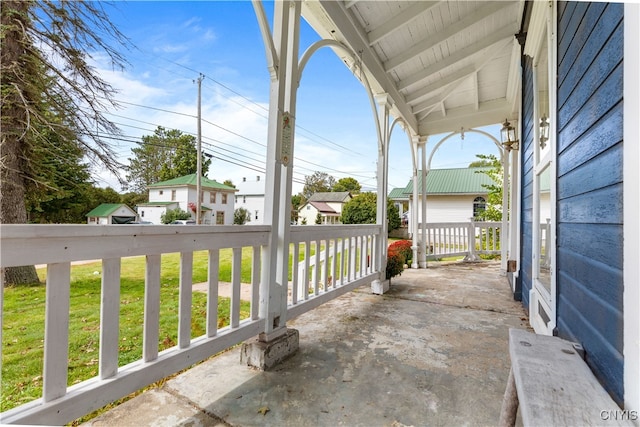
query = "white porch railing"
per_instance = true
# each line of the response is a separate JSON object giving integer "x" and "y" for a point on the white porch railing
{"x": 469, "y": 239}
{"x": 336, "y": 259}
{"x": 342, "y": 259}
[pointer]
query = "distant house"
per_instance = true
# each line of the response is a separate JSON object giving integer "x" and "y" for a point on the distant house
{"x": 328, "y": 205}
{"x": 453, "y": 195}
{"x": 400, "y": 199}
{"x": 250, "y": 195}
{"x": 111, "y": 213}
{"x": 216, "y": 200}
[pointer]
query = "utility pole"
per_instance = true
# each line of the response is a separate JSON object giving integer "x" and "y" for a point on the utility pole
{"x": 199, "y": 149}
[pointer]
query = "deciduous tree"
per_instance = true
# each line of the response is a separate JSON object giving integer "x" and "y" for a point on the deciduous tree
{"x": 319, "y": 182}
{"x": 348, "y": 184}
{"x": 362, "y": 209}
{"x": 241, "y": 216}
{"x": 493, "y": 210}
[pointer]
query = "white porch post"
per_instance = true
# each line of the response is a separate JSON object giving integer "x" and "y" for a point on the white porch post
{"x": 514, "y": 211}
{"x": 282, "y": 59}
{"x": 413, "y": 220}
{"x": 504, "y": 228}
{"x": 423, "y": 200}
{"x": 385, "y": 103}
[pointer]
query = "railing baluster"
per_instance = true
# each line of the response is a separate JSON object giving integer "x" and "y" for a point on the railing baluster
{"x": 109, "y": 317}
{"x": 363, "y": 256}
{"x": 295, "y": 279}
{"x": 353, "y": 256}
{"x": 327, "y": 259}
{"x": 185, "y": 296}
{"x": 317, "y": 272}
{"x": 307, "y": 255}
{"x": 342, "y": 269}
{"x": 236, "y": 270}
{"x": 334, "y": 263}
{"x": 213, "y": 272}
{"x": 56, "y": 331}
{"x": 151, "y": 309}
{"x": 255, "y": 283}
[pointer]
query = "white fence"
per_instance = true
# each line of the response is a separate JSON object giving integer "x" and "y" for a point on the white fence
{"x": 469, "y": 239}
{"x": 335, "y": 259}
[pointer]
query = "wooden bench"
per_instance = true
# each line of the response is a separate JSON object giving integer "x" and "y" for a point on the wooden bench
{"x": 553, "y": 386}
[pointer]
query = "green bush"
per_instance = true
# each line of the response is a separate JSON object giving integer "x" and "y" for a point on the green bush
{"x": 395, "y": 263}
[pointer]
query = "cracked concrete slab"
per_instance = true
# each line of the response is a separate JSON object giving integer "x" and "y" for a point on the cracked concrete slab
{"x": 432, "y": 351}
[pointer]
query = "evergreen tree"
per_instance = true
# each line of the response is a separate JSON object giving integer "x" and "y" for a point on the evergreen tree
{"x": 48, "y": 84}
{"x": 162, "y": 156}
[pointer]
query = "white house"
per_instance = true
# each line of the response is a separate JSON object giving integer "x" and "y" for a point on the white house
{"x": 453, "y": 195}
{"x": 216, "y": 200}
{"x": 328, "y": 205}
{"x": 457, "y": 195}
{"x": 111, "y": 213}
{"x": 250, "y": 195}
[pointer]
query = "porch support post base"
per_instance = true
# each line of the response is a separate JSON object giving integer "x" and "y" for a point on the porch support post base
{"x": 379, "y": 287}
{"x": 265, "y": 355}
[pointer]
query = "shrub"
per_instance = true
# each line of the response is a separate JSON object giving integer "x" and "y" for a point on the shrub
{"x": 395, "y": 263}
{"x": 404, "y": 248}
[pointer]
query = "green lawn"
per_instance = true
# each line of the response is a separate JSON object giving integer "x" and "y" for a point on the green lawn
{"x": 23, "y": 320}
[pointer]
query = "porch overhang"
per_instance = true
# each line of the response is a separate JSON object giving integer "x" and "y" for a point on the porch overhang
{"x": 446, "y": 65}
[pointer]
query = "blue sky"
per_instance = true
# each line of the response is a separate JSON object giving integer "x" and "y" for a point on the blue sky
{"x": 176, "y": 41}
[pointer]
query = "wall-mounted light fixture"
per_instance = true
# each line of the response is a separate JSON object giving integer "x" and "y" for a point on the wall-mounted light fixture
{"x": 544, "y": 131}
{"x": 508, "y": 136}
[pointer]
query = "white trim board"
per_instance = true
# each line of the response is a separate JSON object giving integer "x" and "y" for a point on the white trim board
{"x": 631, "y": 169}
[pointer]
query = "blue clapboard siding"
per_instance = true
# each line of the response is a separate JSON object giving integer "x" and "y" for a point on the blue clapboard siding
{"x": 589, "y": 185}
{"x": 526, "y": 151}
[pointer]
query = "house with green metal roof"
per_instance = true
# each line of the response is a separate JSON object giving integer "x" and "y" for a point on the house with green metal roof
{"x": 111, "y": 213}
{"x": 217, "y": 201}
{"x": 453, "y": 195}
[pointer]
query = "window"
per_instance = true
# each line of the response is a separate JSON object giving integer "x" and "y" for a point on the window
{"x": 173, "y": 195}
{"x": 142, "y": 214}
{"x": 256, "y": 214}
{"x": 220, "y": 218}
{"x": 160, "y": 192}
{"x": 202, "y": 197}
{"x": 479, "y": 206}
{"x": 540, "y": 47}
{"x": 224, "y": 199}
{"x": 244, "y": 199}
{"x": 212, "y": 197}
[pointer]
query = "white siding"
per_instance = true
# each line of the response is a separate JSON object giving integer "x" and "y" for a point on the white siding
{"x": 309, "y": 213}
{"x": 451, "y": 208}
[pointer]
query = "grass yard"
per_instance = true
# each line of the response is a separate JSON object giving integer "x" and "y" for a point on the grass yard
{"x": 23, "y": 320}
{"x": 24, "y": 310}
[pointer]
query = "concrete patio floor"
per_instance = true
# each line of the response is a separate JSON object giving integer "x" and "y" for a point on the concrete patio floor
{"x": 433, "y": 351}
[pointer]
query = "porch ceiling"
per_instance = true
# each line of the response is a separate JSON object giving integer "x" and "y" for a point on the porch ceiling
{"x": 446, "y": 64}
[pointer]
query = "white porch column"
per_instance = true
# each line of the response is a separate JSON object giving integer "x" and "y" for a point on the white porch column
{"x": 385, "y": 103}
{"x": 282, "y": 59}
{"x": 514, "y": 211}
{"x": 504, "y": 229}
{"x": 413, "y": 220}
{"x": 423, "y": 200}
